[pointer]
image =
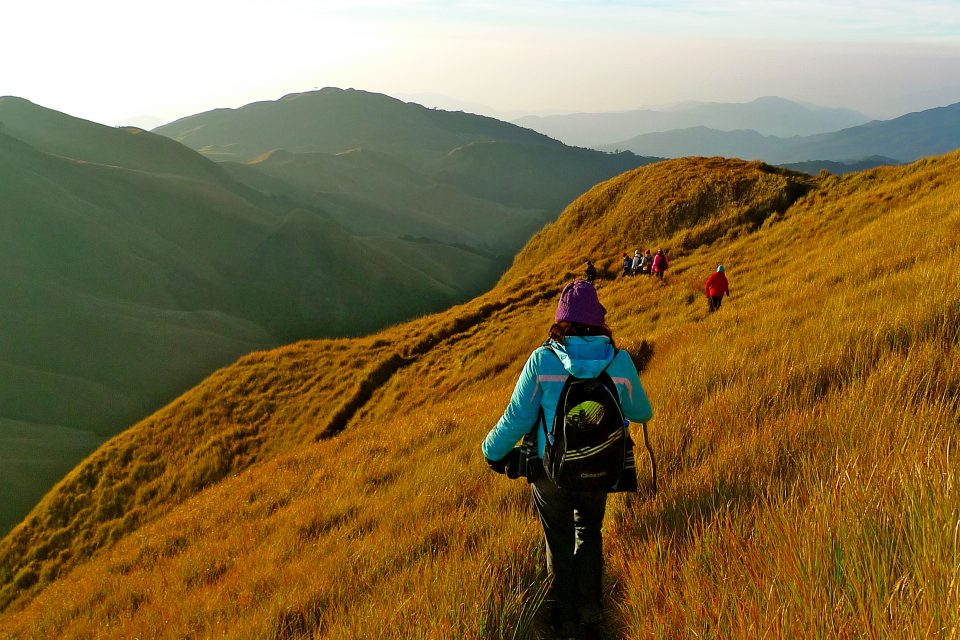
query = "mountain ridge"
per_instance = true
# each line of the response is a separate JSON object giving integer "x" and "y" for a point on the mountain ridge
{"x": 390, "y": 125}
{"x": 546, "y": 174}
{"x": 769, "y": 115}
{"x": 905, "y": 139}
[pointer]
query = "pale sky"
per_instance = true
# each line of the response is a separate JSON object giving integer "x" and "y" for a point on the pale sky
{"x": 114, "y": 60}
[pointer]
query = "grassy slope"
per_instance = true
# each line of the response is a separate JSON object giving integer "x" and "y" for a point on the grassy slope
{"x": 34, "y": 457}
{"x": 681, "y": 205}
{"x": 803, "y": 434}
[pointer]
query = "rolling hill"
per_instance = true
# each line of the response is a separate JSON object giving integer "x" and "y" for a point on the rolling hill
{"x": 132, "y": 267}
{"x": 335, "y": 488}
{"x": 904, "y": 139}
{"x": 332, "y": 120}
{"x": 380, "y": 163}
{"x": 769, "y": 115}
{"x": 60, "y": 134}
{"x": 371, "y": 193}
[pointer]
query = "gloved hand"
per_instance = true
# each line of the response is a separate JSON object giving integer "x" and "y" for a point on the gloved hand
{"x": 509, "y": 465}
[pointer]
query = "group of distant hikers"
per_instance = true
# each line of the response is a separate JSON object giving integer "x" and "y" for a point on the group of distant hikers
{"x": 566, "y": 430}
{"x": 640, "y": 264}
{"x": 646, "y": 264}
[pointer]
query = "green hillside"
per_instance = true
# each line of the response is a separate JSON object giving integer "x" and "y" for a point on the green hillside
{"x": 381, "y": 164}
{"x": 332, "y": 120}
{"x": 64, "y": 135}
{"x": 370, "y": 192}
{"x": 132, "y": 267}
{"x": 335, "y": 488}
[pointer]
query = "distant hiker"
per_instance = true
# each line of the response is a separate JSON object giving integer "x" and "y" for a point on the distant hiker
{"x": 637, "y": 262}
{"x": 579, "y": 355}
{"x": 627, "y": 264}
{"x": 660, "y": 264}
{"x": 716, "y": 287}
{"x": 647, "y": 263}
{"x": 591, "y": 273}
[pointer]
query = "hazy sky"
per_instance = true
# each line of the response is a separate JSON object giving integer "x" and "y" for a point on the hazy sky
{"x": 113, "y": 60}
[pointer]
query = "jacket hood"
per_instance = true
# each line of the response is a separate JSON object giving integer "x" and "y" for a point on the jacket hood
{"x": 584, "y": 356}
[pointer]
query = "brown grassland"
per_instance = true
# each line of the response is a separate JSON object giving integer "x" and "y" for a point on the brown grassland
{"x": 806, "y": 435}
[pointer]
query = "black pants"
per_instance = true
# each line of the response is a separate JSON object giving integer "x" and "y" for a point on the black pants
{"x": 572, "y": 522}
{"x": 714, "y": 302}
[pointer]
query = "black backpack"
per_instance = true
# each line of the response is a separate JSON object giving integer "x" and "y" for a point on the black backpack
{"x": 589, "y": 447}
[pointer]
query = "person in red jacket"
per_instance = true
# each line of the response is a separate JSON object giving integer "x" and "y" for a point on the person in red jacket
{"x": 716, "y": 287}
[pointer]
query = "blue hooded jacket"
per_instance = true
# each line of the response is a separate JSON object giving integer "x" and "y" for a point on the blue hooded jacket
{"x": 542, "y": 380}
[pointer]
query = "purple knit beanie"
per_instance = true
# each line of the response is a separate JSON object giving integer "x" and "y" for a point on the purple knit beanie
{"x": 579, "y": 303}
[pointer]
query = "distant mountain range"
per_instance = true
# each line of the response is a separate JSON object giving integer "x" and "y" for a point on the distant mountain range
{"x": 132, "y": 266}
{"x": 476, "y": 156}
{"x": 903, "y": 139}
{"x": 767, "y": 116}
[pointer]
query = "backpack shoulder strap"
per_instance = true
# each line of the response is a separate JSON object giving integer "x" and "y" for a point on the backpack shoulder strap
{"x": 541, "y": 416}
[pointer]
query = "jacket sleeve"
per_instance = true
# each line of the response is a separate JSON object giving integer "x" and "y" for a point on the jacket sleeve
{"x": 520, "y": 415}
{"x": 633, "y": 399}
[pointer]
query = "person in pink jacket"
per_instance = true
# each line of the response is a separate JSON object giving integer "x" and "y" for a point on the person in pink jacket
{"x": 660, "y": 264}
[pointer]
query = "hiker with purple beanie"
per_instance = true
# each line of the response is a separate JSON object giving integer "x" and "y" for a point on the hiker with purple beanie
{"x": 580, "y": 344}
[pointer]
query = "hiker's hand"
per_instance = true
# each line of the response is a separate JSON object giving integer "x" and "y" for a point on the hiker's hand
{"x": 509, "y": 465}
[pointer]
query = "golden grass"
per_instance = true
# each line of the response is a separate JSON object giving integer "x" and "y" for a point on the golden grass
{"x": 806, "y": 436}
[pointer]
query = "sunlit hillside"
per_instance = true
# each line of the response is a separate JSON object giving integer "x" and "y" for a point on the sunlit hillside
{"x": 335, "y": 489}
